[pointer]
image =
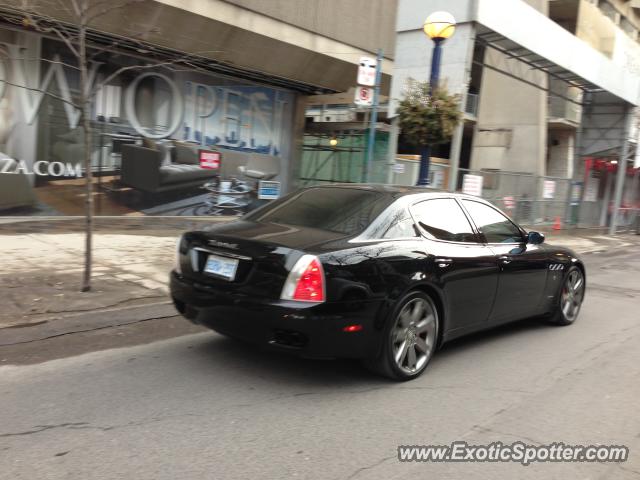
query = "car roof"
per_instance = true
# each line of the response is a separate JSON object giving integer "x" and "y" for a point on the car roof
{"x": 398, "y": 191}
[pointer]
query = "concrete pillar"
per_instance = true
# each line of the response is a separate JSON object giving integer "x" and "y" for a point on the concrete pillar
{"x": 291, "y": 167}
{"x": 622, "y": 169}
{"x": 454, "y": 157}
{"x": 393, "y": 148}
{"x": 456, "y": 141}
{"x": 605, "y": 200}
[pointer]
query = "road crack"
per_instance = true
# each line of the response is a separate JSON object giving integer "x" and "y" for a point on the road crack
{"x": 124, "y": 324}
{"x": 43, "y": 428}
{"x": 370, "y": 467}
{"x": 87, "y": 426}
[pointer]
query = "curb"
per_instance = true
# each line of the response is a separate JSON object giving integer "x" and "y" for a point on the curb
{"x": 87, "y": 322}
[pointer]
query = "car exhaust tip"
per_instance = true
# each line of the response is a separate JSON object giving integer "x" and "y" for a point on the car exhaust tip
{"x": 288, "y": 338}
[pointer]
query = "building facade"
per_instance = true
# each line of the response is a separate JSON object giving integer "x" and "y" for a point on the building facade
{"x": 172, "y": 79}
{"x": 547, "y": 86}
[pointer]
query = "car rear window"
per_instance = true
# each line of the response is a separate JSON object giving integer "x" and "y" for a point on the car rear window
{"x": 341, "y": 210}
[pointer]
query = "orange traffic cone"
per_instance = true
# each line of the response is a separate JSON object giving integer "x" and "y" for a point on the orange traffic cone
{"x": 557, "y": 225}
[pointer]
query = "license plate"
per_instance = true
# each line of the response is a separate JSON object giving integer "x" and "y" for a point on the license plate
{"x": 221, "y": 267}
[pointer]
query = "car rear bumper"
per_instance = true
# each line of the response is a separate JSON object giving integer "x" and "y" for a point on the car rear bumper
{"x": 310, "y": 330}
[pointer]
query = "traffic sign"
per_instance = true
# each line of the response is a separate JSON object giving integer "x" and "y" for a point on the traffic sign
{"x": 548, "y": 189}
{"x": 367, "y": 72}
{"x": 509, "y": 202}
{"x": 268, "y": 190}
{"x": 364, "y": 96}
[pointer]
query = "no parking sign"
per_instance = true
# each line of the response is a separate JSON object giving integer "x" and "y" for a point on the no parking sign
{"x": 509, "y": 203}
{"x": 364, "y": 96}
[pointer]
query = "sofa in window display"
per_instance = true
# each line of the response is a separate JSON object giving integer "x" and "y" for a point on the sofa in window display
{"x": 261, "y": 167}
{"x": 156, "y": 167}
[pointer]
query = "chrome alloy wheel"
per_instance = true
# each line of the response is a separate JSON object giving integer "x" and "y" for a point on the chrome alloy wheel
{"x": 572, "y": 295}
{"x": 414, "y": 335}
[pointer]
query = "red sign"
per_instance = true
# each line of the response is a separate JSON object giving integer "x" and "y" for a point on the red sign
{"x": 364, "y": 96}
{"x": 509, "y": 203}
{"x": 209, "y": 160}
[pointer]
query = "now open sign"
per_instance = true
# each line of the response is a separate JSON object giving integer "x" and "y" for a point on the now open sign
{"x": 209, "y": 160}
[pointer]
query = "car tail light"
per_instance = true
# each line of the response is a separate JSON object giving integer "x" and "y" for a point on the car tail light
{"x": 352, "y": 328}
{"x": 305, "y": 282}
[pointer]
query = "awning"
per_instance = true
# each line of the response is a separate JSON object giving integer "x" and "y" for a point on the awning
{"x": 522, "y": 32}
{"x": 530, "y": 58}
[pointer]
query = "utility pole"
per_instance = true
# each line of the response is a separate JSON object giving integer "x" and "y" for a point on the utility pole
{"x": 374, "y": 117}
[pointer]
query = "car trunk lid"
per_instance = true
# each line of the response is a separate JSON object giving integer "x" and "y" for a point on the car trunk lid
{"x": 263, "y": 255}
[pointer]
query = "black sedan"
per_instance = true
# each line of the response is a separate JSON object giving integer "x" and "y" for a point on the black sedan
{"x": 381, "y": 273}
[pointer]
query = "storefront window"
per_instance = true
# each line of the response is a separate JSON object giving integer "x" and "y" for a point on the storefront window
{"x": 160, "y": 137}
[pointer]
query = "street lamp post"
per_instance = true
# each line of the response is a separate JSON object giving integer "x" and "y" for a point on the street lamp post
{"x": 438, "y": 27}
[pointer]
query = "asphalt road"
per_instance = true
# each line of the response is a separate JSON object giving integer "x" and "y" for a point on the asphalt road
{"x": 199, "y": 406}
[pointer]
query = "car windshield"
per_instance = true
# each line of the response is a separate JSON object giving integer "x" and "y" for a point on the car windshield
{"x": 341, "y": 210}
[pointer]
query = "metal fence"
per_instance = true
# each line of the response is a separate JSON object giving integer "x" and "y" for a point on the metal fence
{"x": 528, "y": 199}
{"x": 628, "y": 220}
{"x": 554, "y": 201}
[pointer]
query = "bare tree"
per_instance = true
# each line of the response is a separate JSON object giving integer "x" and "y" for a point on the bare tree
{"x": 72, "y": 25}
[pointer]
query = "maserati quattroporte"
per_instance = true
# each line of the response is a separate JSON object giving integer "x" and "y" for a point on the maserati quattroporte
{"x": 385, "y": 274}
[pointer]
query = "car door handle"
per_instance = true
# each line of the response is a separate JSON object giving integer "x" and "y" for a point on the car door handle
{"x": 504, "y": 259}
{"x": 444, "y": 262}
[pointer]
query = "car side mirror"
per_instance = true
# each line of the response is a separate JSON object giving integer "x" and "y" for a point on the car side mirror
{"x": 535, "y": 238}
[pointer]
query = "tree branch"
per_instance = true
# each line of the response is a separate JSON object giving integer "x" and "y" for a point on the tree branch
{"x": 36, "y": 21}
{"x": 76, "y": 8}
{"x": 125, "y": 69}
{"x": 107, "y": 6}
{"x": 53, "y": 62}
{"x": 44, "y": 92}
{"x": 64, "y": 6}
{"x": 166, "y": 64}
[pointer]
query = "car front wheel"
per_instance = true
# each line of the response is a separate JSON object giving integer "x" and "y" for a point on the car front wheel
{"x": 570, "y": 298}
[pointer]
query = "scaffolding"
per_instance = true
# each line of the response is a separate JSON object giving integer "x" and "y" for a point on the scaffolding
{"x": 344, "y": 162}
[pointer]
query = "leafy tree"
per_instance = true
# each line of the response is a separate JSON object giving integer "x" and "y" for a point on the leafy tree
{"x": 428, "y": 118}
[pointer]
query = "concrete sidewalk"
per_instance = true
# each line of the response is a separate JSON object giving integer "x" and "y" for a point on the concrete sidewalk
{"x": 42, "y": 267}
{"x": 42, "y": 264}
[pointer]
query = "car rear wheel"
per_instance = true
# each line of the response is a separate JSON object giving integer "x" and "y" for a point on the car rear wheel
{"x": 409, "y": 338}
{"x": 570, "y": 298}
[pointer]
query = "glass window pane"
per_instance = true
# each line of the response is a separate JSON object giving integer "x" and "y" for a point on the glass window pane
{"x": 496, "y": 227}
{"x": 342, "y": 210}
{"x": 400, "y": 225}
{"x": 443, "y": 219}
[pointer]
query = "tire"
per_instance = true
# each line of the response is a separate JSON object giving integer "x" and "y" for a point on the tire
{"x": 409, "y": 338}
{"x": 570, "y": 298}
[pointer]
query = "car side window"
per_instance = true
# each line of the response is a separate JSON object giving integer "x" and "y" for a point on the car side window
{"x": 443, "y": 219}
{"x": 495, "y": 227}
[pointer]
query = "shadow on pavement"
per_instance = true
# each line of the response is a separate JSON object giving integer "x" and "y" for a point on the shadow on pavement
{"x": 251, "y": 361}
{"x": 494, "y": 335}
